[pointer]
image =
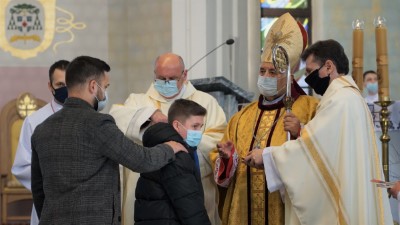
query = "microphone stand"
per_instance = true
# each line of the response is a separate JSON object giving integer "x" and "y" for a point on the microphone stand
{"x": 228, "y": 42}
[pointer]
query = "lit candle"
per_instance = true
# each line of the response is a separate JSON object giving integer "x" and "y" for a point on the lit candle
{"x": 358, "y": 52}
{"x": 382, "y": 59}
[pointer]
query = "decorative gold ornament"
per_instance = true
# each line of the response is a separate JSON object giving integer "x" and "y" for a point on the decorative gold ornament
{"x": 26, "y": 105}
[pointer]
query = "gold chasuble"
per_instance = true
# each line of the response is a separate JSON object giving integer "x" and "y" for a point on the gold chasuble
{"x": 246, "y": 200}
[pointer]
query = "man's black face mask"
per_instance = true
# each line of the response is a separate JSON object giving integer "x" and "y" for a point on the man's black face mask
{"x": 318, "y": 84}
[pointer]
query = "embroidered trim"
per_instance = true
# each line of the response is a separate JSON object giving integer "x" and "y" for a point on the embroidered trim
{"x": 326, "y": 176}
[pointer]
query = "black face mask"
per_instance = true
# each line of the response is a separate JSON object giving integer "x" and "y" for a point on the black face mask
{"x": 60, "y": 94}
{"x": 318, "y": 84}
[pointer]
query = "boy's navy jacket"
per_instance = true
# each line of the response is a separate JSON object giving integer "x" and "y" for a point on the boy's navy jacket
{"x": 173, "y": 194}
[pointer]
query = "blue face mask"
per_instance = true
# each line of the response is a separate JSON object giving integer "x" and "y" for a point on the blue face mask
{"x": 101, "y": 104}
{"x": 372, "y": 87}
{"x": 166, "y": 89}
{"x": 193, "y": 137}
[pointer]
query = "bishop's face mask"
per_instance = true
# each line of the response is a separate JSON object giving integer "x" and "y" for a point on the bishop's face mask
{"x": 101, "y": 104}
{"x": 60, "y": 94}
{"x": 268, "y": 86}
{"x": 317, "y": 83}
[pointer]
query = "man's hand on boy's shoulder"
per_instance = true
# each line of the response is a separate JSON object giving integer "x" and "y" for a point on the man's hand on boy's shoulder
{"x": 177, "y": 147}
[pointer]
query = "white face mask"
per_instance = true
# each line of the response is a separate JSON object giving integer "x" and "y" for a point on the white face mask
{"x": 268, "y": 86}
{"x": 101, "y": 104}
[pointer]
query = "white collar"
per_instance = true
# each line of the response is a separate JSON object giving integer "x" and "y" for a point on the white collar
{"x": 55, "y": 106}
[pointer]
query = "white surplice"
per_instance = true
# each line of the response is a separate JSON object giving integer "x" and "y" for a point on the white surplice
{"x": 21, "y": 168}
{"x": 138, "y": 108}
{"x": 326, "y": 172}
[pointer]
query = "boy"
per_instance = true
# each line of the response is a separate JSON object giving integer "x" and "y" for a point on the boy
{"x": 174, "y": 194}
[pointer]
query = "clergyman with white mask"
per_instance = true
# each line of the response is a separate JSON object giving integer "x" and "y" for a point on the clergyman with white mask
{"x": 143, "y": 109}
{"x": 263, "y": 123}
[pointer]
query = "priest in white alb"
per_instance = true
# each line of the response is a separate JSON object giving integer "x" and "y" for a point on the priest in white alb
{"x": 324, "y": 176}
{"x": 143, "y": 109}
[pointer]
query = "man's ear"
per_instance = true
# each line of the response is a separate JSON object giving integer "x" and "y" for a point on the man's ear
{"x": 175, "y": 124}
{"x": 92, "y": 86}
{"x": 185, "y": 75}
{"x": 50, "y": 87}
{"x": 330, "y": 66}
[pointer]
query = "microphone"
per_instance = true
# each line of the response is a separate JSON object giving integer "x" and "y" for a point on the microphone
{"x": 228, "y": 42}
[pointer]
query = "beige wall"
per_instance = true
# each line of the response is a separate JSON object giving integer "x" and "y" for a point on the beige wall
{"x": 333, "y": 20}
{"x": 139, "y": 30}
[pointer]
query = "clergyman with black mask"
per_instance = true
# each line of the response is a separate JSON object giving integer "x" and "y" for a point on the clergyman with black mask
{"x": 336, "y": 149}
{"x": 76, "y": 152}
{"x": 21, "y": 168}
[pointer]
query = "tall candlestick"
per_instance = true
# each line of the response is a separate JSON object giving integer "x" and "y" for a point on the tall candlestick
{"x": 358, "y": 52}
{"x": 382, "y": 58}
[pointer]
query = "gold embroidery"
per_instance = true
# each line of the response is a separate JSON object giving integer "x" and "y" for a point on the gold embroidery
{"x": 257, "y": 176}
{"x": 214, "y": 131}
{"x": 278, "y": 38}
{"x": 326, "y": 175}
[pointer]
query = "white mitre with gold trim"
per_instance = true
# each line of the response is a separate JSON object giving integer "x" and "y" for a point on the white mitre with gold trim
{"x": 289, "y": 34}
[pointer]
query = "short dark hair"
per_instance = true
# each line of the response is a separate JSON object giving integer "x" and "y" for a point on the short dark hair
{"x": 84, "y": 68}
{"x": 61, "y": 65}
{"x": 367, "y": 72}
{"x": 328, "y": 50}
{"x": 182, "y": 109}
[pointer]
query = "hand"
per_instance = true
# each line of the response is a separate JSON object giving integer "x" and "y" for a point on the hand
{"x": 158, "y": 117}
{"x": 254, "y": 159}
{"x": 292, "y": 124}
{"x": 394, "y": 191}
{"x": 225, "y": 149}
{"x": 177, "y": 147}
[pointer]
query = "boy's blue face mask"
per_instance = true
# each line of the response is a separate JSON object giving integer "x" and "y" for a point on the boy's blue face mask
{"x": 166, "y": 88}
{"x": 193, "y": 137}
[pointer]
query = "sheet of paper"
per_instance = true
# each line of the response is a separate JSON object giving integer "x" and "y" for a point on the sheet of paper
{"x": 383, "y": 184}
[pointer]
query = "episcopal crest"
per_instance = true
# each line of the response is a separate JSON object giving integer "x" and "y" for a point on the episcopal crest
{"x": 25, "y": 23}
{"x": 28, "y": 27}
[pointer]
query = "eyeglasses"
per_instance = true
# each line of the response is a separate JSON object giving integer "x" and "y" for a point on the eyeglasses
{"x": 167, "y": 80}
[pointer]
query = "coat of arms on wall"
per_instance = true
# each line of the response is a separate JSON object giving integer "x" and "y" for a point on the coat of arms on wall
{"x": 28, "y": 27}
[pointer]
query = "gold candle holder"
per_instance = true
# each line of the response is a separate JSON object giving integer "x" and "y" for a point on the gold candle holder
{"x": 383, "y": 83}
{"x": 385, "y": 138}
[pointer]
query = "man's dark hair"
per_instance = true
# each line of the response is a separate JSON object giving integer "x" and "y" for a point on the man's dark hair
{"x": 85, "y": 68}
{"x": 328, "y": 50}
{"x": 61, "y": 65}
{"x": 367, "y": 72}
{"x": 182, "y": 109}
